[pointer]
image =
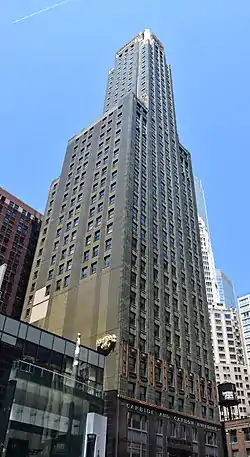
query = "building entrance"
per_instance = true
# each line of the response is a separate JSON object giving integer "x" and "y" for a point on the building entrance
{"x": 174, "y": 452}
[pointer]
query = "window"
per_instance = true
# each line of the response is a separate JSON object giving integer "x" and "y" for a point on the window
{"x": 131, "y": 389}
{"x": 53, "y": 260}
{"x": 58, "y": 284}
{"x": 108, "y": 244}
{"x": 66, "y": 239}
{"x": 158, "y": 398}
{"x": 47, "y": 290}
{"x": 51, "y": 274}
{"x": 56, "y": 245}
{"x": 93, "y": 268}
{"x": 100, "y": 207}
{"x": 86, "y": 256}
{"x": 76, "y": 221}
{"x": 63, "y": 254}
{"x": 66, "y": 281}
{"x": 98, "y": 220}
{"x": 97, "y": 235}
{"x": 71, "y": 249}
{"x": 112, "y": 200}
{"x": 88, "y": 240}
{"x": 90, "y": 225}
{"x": 110, "y": 228}
{"x": 69, "y": 265}
{"x": 246, "y": 434}
{"x": 68, "y": 226}
{"x": 101, "y": 194}
{"x": 73, "y": 236}
{"x": 84, "y": 272}
{"x": 181, "y": 404}
{"x": 113, "y": 187}
{"x": 60, "y": 269}
{"x": 111, "y": 213}
{"x": 95, "y": 251}
{"x": 107, "y": 261}
{"x": 131, "y": 364}
{"x": 91, "y": 212}
{"x": 143, "y": 393}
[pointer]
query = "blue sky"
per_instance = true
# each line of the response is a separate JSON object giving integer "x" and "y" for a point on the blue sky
{"x": 52, "y": 82}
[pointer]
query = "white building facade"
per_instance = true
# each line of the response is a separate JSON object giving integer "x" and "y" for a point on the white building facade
{"x": 244, "y": 310}
{"x": 229, "y": 353}
{"x": 208, "y": 264}
{"x": 230, "y": 356}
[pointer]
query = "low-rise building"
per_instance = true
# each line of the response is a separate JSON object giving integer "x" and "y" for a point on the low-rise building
{"x": 238, "y": 437}
{"x": 51, "y": 394}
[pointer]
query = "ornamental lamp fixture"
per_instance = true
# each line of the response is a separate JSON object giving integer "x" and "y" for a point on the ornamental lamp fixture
{"x": 106, "y": 344}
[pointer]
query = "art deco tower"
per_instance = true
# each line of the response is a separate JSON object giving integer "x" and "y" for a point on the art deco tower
{"x": 120, "y": 253}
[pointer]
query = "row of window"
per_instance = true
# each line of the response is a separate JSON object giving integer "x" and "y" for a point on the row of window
{"x": 15, "y": 207}
{"x": 93, "y": 267}
{"x": 172, "y": 403}
{"x": 65, "y": 282}
{"x": 67, "y": 238}
{"x": 141, "y": 422}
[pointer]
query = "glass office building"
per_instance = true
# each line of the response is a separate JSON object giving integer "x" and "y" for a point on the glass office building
{"x": 226, "y": 290}
{"x": 44, "y": 402}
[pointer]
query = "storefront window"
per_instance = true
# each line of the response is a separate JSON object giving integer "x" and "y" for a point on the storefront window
{"x": 48, "y": 417}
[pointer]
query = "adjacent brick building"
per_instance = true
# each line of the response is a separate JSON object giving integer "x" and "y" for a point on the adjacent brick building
{"x": 238, "y": 437}
{"x": 19, "y": 230}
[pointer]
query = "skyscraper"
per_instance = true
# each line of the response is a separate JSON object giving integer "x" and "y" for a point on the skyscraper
{"x": 206, "y": 245}
{"x": 119, "y": 253}
{"x": 201, "y": 201}
{"x": 226, "y": 290}
{"x": 19, "y": 230}
{"x": 208, "y": 264}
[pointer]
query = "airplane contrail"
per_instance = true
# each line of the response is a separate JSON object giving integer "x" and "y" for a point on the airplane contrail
{"x": 40, "y": 11}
